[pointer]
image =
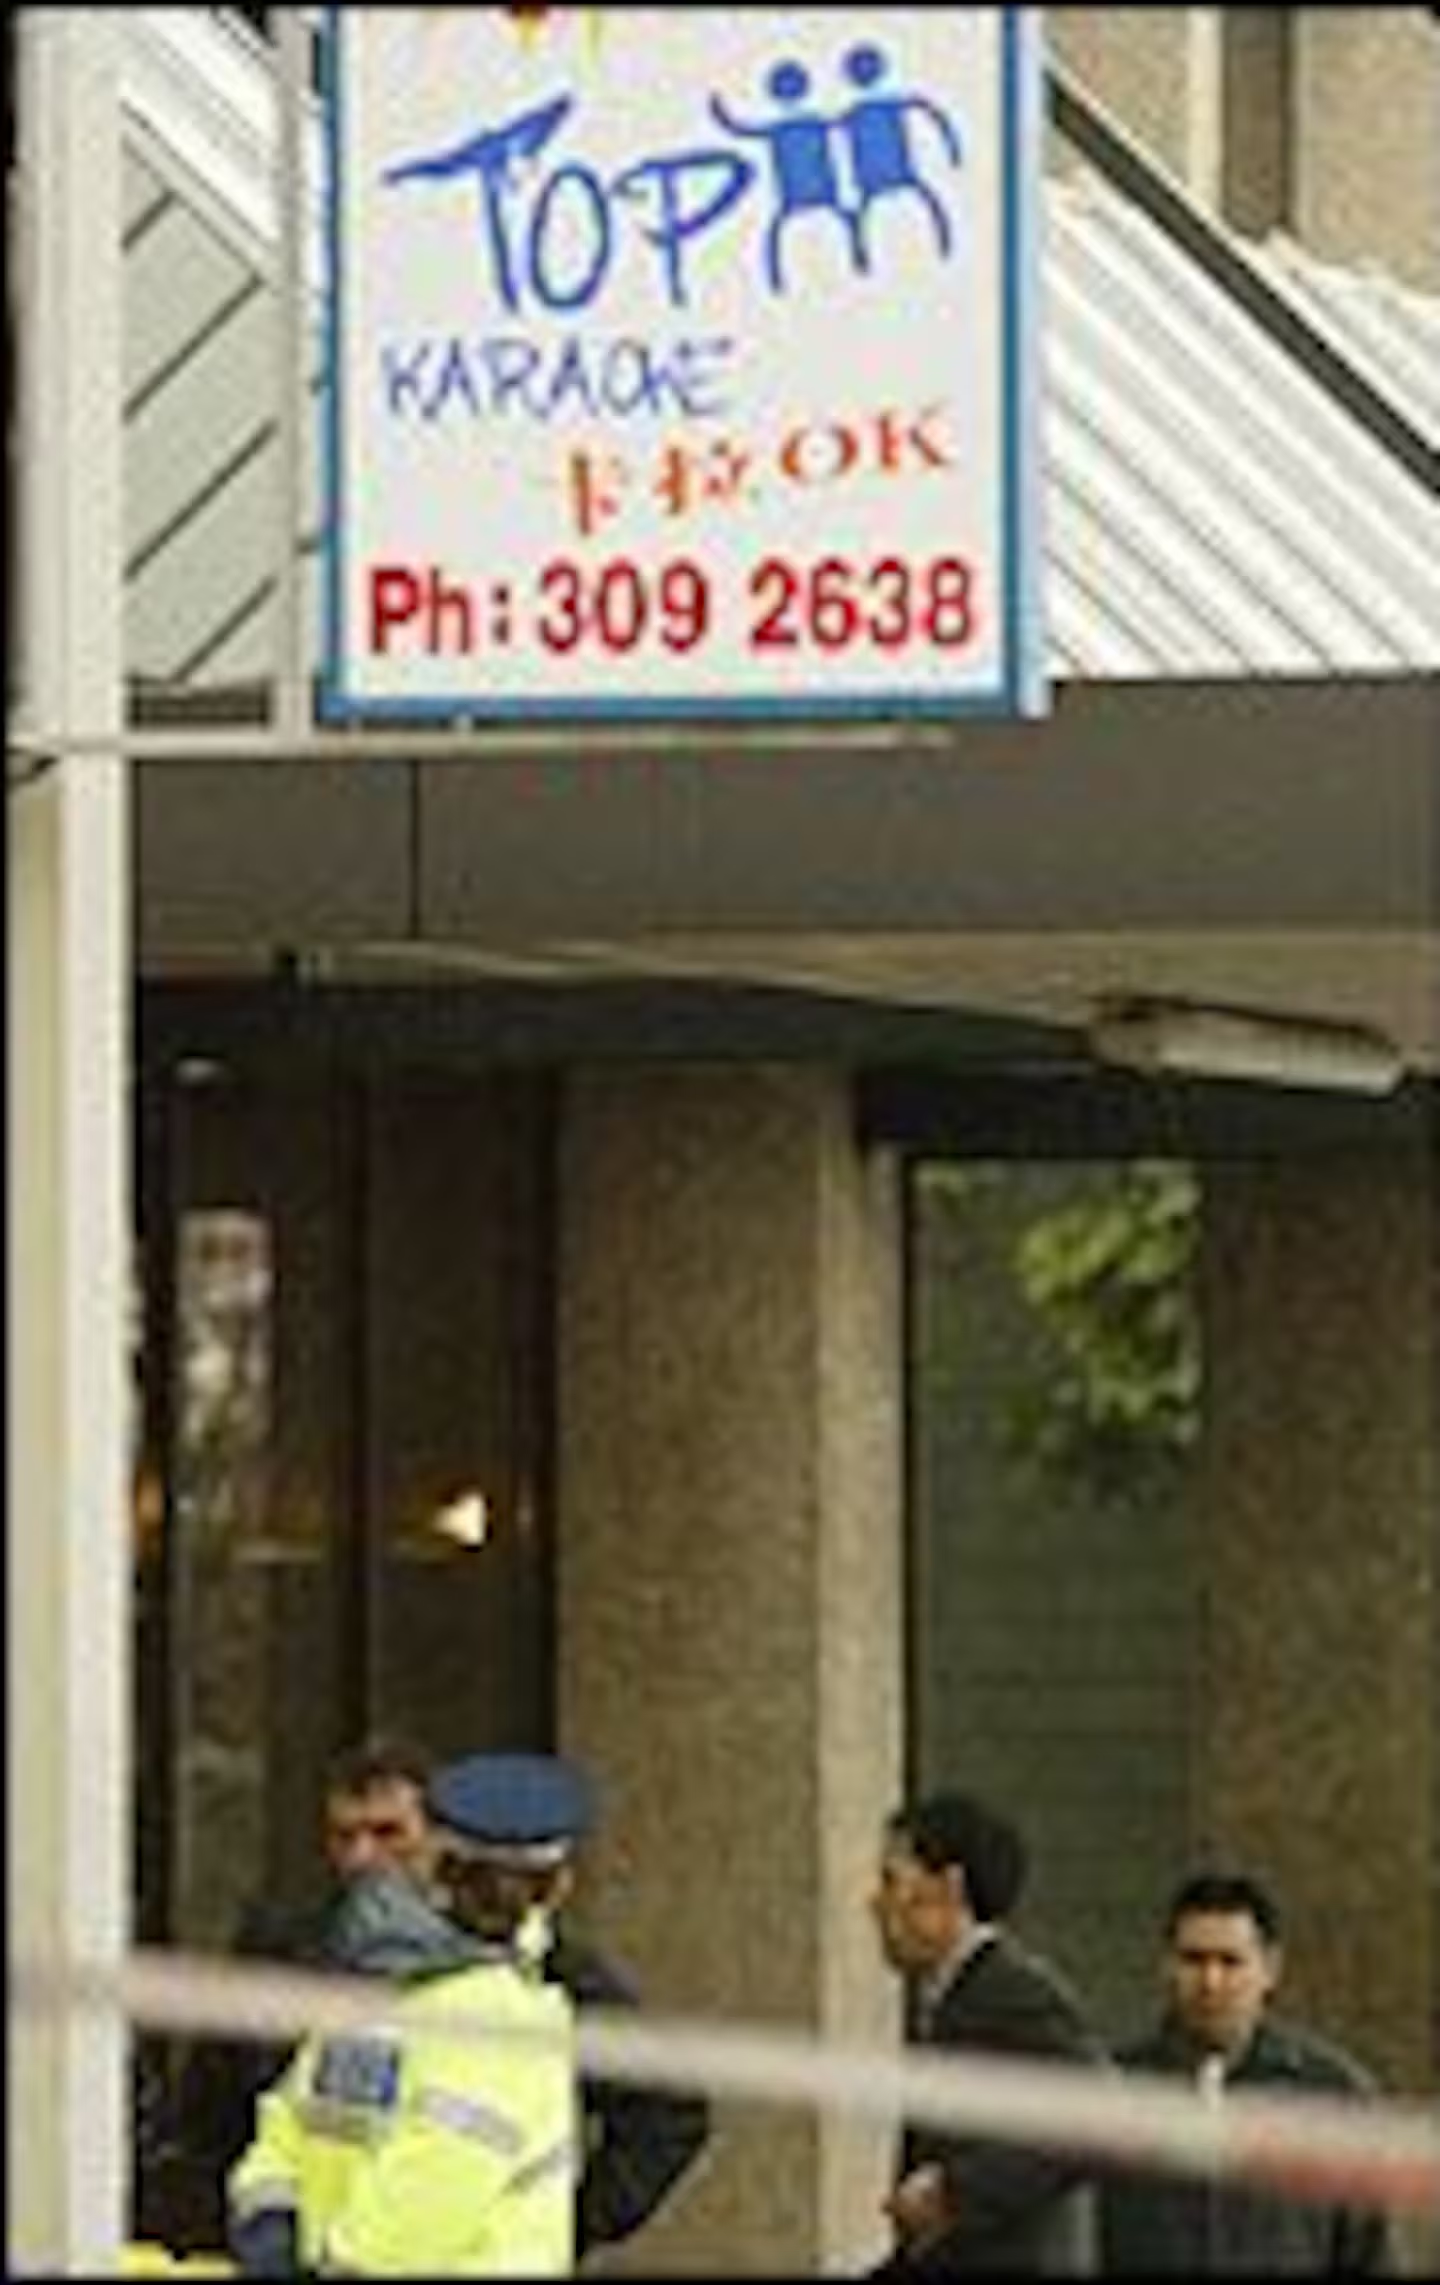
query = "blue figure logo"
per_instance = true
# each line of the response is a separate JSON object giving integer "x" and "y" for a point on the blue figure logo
{"x": 878, "y": 134}
{"x": 802, "y": 156}
{"x": 553, "y": 236}
{"x": 872, "y": 139}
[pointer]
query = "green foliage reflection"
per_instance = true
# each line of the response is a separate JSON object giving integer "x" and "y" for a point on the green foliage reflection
{"x": 1108, "y": 1279}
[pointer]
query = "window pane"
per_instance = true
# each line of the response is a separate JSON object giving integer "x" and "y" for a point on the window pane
{"x": 222, "y": 1477}
{"x": 1055, "y": 1394}
{"x": 358, "y": 1426}
{"x": 456, "y": 1296}
{"x": 258, "y": 1492}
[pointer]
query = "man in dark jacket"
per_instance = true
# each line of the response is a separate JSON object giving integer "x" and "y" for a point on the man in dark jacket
{"x": 373, "y": 1820}
{"x": 1222, "y": 1964}
{"x": 951, "y": 1872}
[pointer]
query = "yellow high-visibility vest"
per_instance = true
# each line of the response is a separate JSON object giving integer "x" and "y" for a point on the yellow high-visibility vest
{"x": 146, "y": 2257}
{"x": 406, "y": 2150}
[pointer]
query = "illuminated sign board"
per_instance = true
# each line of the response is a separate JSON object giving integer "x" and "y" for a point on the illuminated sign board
{"x": 681, "y": 361}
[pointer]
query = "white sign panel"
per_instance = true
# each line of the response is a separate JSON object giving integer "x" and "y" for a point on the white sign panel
{"x": 681, "y": 361}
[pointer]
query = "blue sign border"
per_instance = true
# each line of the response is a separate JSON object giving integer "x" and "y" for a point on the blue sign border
{"x": 1022, "y": 687}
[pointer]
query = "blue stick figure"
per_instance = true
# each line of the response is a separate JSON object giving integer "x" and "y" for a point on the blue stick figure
{"x": 803, "y": 156}
{"x": 877, "y": 132}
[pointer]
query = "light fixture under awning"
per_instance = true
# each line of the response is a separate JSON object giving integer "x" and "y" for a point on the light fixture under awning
{"x": 1238, "y": 1043}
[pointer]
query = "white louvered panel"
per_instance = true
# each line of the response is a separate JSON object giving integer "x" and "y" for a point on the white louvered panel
{"x": 1086, "y": 641}
{"x": 1391, "y": 331}
{"x": 208, "y": 418}
{"x": 1175, "y": 526}
{"x": 1181, "y": 301}
{"x": 1303, "y": 570}
{"x": 1151, "y": 621}
{"x": 178, "y": 280}
{"x": 1289, "y": 466}
{"x": 222, "y": 555}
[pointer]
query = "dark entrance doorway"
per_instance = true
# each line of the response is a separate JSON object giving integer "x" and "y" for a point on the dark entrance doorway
{"x": 343, "y": 1511}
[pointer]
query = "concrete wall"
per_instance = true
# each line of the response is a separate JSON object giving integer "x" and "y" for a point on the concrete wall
{"x": 1326, "y": 120}
{"x": 729, "y": 1596}
{"x": 1321, "y": 1581}
{"x": 1257, "y": 159}
{"x": 1144, "y": 65}
{"x": 1366, "y": 98}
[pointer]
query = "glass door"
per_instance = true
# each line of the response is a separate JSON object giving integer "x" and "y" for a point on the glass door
{"x": 342, "y": 1483}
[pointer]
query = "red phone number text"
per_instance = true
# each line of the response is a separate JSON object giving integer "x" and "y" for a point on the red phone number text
{"x": 832, "y": 604}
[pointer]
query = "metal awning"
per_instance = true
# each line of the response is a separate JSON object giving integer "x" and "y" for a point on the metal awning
{"x": 1211, "y": 509}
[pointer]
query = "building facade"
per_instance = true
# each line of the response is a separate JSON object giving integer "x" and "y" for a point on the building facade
{"x": 552, "y": 1310}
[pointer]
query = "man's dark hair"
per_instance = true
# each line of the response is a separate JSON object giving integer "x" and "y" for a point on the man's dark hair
{"x": 947, "y": 1829}
{"x": 377, "y": 1761}
{"x": 1226, "y": 1892}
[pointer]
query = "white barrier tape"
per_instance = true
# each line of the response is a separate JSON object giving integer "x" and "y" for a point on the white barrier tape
{"x": 1304, "y": 2145}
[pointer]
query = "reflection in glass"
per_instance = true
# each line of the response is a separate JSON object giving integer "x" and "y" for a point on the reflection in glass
{"x": 224, "y": 1401}
{"x": 225, "y": 1362}
{"x": 1057, "y": 1397}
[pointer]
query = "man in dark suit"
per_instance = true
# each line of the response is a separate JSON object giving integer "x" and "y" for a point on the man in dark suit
{"x": 951, "y": 1872}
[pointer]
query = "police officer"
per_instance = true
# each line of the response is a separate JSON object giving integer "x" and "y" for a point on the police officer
{"x": 374, "y": 1816}
{"x": 529, "y": 1813}
{"x": 409, "y": 2149}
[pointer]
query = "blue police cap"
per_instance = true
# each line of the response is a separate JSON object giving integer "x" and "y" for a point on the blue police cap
{"x": 531, "y": 1806}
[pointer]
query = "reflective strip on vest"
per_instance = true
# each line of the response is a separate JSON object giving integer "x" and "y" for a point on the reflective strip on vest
{"x": 337, "y": 2122}
{"x": 479, "y": 2121}
{"x": 558, "y": 2159}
